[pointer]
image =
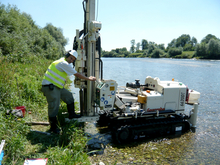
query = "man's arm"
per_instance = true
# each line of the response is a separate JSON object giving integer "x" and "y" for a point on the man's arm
{"x": 91, "y": 78}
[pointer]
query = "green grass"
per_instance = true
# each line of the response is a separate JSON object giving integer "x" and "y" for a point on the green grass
{"x": 132, "y": 55}
{"x": 20, "y": 84}
{"x": 186, "y": 54}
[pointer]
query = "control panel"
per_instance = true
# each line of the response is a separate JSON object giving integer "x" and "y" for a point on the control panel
{"x": 105, "y": 94}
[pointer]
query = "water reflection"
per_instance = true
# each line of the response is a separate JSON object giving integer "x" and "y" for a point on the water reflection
{"x": 159, "y": 150}
{"x": 188, "y": 148}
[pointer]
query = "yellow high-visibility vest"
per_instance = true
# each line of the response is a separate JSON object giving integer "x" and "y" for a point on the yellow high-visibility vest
{"x": 55, "y": 76}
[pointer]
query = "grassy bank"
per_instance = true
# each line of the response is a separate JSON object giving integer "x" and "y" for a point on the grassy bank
{"x": 20, "y": 84}
{"x": 185, "y": 54}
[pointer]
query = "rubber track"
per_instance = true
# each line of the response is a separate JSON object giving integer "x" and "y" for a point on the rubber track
{"x": 134, "y": 125}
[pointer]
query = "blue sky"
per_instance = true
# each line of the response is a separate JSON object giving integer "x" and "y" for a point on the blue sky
{"x": 159, "y": 21}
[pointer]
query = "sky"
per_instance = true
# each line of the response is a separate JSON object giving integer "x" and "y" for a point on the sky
{"x": 158, "y": 21}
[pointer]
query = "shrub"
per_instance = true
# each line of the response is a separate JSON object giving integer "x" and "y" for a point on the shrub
{"x": 157, "y": 53}
{"x": 175, "y": 51}
{"x": 21, "y": 38}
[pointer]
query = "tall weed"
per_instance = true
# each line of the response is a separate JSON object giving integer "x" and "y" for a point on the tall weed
{"x": 14, "y": 132}
{"x": 20, "y": 85}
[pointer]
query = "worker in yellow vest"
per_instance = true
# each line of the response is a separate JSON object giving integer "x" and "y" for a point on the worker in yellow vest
{"x": 53, "y": 87}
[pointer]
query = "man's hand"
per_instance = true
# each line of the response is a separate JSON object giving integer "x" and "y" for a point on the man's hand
{"x": 91, "y": 78}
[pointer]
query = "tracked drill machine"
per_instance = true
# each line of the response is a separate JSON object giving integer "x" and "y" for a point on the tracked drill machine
{"x": 136, "y": 110}
{"x": 155, "y": 108}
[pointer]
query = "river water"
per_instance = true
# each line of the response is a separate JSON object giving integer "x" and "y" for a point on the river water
{"x": 201, "y": 147}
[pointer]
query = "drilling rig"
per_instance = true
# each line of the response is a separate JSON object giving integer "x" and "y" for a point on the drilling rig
{"x": 138, "y": 110}
{"x": 89, "y": 63}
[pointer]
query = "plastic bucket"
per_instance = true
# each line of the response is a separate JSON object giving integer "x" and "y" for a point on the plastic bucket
{"x": 22, "y": 108}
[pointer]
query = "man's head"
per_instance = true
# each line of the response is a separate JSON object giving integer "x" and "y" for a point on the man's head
{"x": 71, "y": 56}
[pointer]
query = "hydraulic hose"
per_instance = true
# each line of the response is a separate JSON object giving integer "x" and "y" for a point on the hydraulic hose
{"x": 98, "y": 48}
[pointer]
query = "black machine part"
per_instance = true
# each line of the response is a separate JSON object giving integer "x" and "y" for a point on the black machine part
{"x": 126, "y": 131}
{"x": 135, "y": 84}
{"x": 129, "y": 128}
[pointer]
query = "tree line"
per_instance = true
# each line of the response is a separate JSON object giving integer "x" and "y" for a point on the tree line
{"x": 182, "y": 47}
{"x": 22, "y": 39}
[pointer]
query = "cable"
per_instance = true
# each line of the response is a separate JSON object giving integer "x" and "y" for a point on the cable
{"x": 84, "y": 5}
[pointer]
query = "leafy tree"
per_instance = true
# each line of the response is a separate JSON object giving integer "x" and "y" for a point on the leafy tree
{"x": 214, "y": 49}
{"x": 161, "y": 46}
{"x": 174, "y": 48}
{"x": 183, "y": 40}
{"x": 175, "y": 51}
{"x": 211, "y": 50}
{"x": 144, "y": 44}
{"x": 56, "y": 33}
{"x": 132, "y": 49}
{"x": 194, "y": 41}
{"x": 124, "y": 49}
{"x": 208, "y": 38}
{"x": 172, "y": 44}
{"x": 118, "y": 52}
{"x": 201, "y": 50}
{"x": 187, "y": 47}
{"x": 21, "y": 38}
{"x": 151, "y": 47}
{"x": 152, "y": 43}
{"x": 157, "y": 52}
{"x": 138, "y": 46}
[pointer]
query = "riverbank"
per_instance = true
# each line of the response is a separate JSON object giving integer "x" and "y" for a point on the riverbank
{"x": 144, "y": 54}
{"x": 20, "y": 84}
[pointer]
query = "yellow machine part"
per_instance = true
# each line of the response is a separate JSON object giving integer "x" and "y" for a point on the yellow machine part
{"x": 142, "y": 99}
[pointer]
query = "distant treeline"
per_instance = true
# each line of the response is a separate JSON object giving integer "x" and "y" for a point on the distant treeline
{"x": 182, "y": 47}
{"x": 23, "y": 40}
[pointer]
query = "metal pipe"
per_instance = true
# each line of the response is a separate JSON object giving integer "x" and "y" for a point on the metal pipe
{"x": 193, "y": 116}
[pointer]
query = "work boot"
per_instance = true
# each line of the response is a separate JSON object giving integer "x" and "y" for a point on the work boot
{"x": 53, "y": 125}
{"x": 71, "y": 111}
